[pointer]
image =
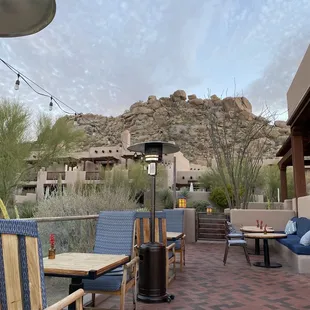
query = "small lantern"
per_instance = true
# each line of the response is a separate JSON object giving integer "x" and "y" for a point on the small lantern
{"x": 182, "y": 202}
{"x": 209, "y": 209}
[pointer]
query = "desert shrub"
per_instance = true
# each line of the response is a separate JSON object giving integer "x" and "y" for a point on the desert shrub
{"x": 199, "y": 205}
{"x": 79, "y": 235}
{"x": 27, "y": 209}
{"x": 184, "y": 193}
{"x": 218, "y": 197}
{"x": 166, "y": 198}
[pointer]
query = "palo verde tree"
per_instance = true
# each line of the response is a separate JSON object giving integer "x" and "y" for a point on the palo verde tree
{"x": 19, "y": 155}
{"x": 238, "y": 141}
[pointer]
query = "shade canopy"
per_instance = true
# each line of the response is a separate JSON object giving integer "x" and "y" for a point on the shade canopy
{"x": 24, "y": 17}
{"x": 166, "y": 147}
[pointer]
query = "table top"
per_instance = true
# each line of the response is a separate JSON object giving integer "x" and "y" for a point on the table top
{"x": 174, "y": 235}
{"x": 82, "y": 264}
{"x": 255, "y": 229}
{"x": 265, "y": 236}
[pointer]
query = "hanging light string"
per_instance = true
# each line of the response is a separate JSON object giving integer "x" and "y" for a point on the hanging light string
{"x": 43, "y": 92}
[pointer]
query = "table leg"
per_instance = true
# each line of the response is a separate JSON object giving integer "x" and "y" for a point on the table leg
{"x": 75, "y": 284}
{"x": 266, "y": 263}
{"x": 257, "y": 247}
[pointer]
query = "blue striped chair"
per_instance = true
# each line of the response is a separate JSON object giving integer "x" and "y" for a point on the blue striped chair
{"x": 175, "y": 223}
{"x": 21, "y": 269}
{"x": 143, "y": 232}
{"x": 115, "y": 235}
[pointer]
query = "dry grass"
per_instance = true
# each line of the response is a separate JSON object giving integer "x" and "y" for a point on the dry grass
{"x": 79, "y": 235}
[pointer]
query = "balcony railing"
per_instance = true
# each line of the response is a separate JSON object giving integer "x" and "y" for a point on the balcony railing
{"x": 55, "y": 175}
{"x": 92, "y": 175}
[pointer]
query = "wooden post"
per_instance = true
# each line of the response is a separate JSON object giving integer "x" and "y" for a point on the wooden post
{"x": 283, "y": 179}
{"x": 298, "y": 166}
{"x": 174, "y": 182}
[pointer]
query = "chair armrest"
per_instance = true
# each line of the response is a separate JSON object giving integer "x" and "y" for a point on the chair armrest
{"x": 170, "y": 247}
{"x": 77, "y": 297}
{"x": 132, "y": 262}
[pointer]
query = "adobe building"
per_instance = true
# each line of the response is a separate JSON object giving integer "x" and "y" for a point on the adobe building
{"x": 297, "y": 145}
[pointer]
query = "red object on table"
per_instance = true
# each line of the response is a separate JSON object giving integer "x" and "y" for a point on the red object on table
{"x": 52, "y": 240}
{"x": 257, "y": 223}
{"x": 261, "y": 225}
{"x": 265, "y": 229}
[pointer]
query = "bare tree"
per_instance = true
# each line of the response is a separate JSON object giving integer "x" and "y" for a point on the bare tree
{"x": 238, "y": 140}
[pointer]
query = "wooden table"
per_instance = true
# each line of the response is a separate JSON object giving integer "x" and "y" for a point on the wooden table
{"x": 79, "y": 266}
{"x": 266, "y": 237}
{"x": 174, "y": 235}
{"x": 255, "y": 229}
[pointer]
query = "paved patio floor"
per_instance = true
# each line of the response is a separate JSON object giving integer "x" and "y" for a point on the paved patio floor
{"x": 207, "y": 284}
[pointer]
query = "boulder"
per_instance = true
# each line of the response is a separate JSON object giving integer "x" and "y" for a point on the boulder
{"x": 280, "y": 124}
{"x": 191, "y": 97}
{"x": 178, "y": 95}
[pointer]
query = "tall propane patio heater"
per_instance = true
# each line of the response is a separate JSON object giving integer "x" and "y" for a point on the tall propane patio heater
{"x": 24, "y": 17}
{"x": 152, "y": 264}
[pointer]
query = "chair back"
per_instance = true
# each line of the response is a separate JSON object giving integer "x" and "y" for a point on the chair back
{"x": 115, "y": 232}
{"x": 175, "y": 220}
{"x": 143, "y": 227}
{"x": 21, "y": 266}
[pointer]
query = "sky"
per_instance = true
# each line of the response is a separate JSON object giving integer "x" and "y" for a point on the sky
{"x": 101, "y": 56}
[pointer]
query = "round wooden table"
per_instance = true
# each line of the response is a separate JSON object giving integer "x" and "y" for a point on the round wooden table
{"x": 255, "y": 229}
{"x": 265, "y": 237}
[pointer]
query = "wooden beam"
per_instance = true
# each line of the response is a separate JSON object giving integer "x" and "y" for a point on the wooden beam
{"x": 283, "y": 189}
{"x": 286, "y": 160}
{"x": 299, "y": 166}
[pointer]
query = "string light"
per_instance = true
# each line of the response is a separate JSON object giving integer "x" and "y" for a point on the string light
{"x": 16, "y": 87}
{"x": 51, "y": 104}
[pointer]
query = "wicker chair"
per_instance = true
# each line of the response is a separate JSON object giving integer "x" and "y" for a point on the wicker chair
{"x": 115, "y": 235}
{"x": 175, "y": 223}
{"x": 21, "y": 269}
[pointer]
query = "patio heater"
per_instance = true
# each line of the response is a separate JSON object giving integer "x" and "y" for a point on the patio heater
{"x": 152, "y": 264}
{"x": 24, "y": 17}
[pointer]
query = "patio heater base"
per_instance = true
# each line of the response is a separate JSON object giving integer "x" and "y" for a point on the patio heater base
{"x": 152, "y": 273}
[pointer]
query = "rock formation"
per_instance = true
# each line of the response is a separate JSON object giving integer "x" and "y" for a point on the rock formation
{"x": 178, "y": 118}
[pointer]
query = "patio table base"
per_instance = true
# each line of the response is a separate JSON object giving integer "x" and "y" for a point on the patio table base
{"x": 270, "y": 265}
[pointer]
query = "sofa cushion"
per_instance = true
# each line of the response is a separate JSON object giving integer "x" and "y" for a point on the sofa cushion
{"x": 292, "y": 242}
{"x": 176, "y": 242}
{"x": 290, "y": 228}
{"x": 305, "y": 239}
{"x": 300, "y": 249}
{"x": 303, "y": 225}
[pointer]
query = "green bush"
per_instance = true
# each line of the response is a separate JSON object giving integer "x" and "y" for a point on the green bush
{"x": 199, "y": 205}
{"x": 27, "y": 210}
{"x": 218, "y": 197}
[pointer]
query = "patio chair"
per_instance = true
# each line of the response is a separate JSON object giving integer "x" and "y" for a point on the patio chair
{"x": 115, "y": 235}
{"x": 21, "y": 269}
{"x": 175, "y": 223}
{"x": 234, "y": 238}
{"x": 232, "y": 232}
{"x": 143, "y": 233}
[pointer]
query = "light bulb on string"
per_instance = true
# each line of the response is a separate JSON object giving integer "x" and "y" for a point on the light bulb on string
{"x": 17, "y": 83}
{"x": 51, "y": 104}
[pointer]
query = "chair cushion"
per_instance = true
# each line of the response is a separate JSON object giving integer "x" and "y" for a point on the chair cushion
{"x": 236, "y": 242}
{"x": 108, "y": 283}
{"x": 303, "y": 225}
{"x": 305, "y": 239}
{"x": 177, "y": 244}
{"x": 116, "y": 271}
{"x": 290, "y": 228}
{"x": 235, "y": 235}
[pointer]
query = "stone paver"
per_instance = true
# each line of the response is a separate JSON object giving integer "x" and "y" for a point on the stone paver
{"x": 207, "y": 284}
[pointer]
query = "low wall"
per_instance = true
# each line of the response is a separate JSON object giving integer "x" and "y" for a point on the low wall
{"x": 190, "y": 225}
{"x": 304, "y": 206}
{"x": 263, "y": 206}
{"x": 275, "y": 218}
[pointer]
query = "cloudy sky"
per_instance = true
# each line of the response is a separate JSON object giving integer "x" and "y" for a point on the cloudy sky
{"x": 100, "y": 56}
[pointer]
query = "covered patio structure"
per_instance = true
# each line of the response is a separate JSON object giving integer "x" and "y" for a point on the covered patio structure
{"x": 297, "y": 146}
